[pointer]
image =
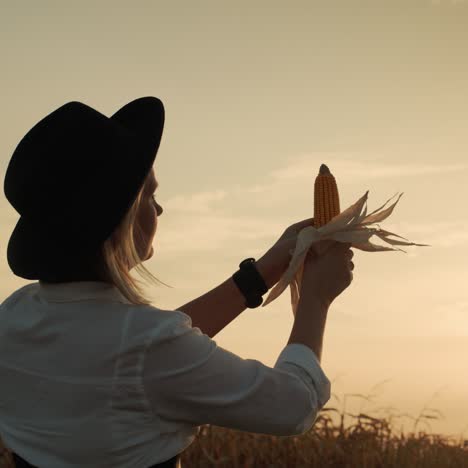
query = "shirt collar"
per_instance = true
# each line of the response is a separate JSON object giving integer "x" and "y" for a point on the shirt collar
{"x": 80, "y": 290}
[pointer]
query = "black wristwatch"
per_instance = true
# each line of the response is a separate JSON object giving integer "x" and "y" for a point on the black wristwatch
{"x": 250, "y": 283}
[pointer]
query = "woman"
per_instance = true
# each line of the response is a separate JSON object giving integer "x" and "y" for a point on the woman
{"x": 92, "y": 374}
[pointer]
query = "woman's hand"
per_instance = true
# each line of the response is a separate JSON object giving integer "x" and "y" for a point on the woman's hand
{"x": 276, "y": 261}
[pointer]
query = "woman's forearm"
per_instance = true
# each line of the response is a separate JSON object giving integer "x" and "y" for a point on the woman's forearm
{"x": 217, "y": 308}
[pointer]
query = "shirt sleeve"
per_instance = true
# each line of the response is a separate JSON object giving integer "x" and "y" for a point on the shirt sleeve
{"x": 189, "y": 378}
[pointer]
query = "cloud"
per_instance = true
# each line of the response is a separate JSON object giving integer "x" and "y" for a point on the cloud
{"x": 206, "y": 218}
{"x": 447, "y": 2}
{"x": 455, "y": 308}
{"x": 357, "y": 168}
{"x": 437, "y": 234}
{"x": 201, "y": 202}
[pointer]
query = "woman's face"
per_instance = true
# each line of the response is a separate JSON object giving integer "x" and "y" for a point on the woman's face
{"x": 147, "y": 217}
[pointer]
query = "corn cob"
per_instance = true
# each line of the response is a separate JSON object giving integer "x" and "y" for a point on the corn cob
{"x": 326, "y": 207}
{"x": 326, "y": 198}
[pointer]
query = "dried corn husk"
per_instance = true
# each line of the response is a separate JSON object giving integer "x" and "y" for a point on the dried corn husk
{"x": 351, "y": 225}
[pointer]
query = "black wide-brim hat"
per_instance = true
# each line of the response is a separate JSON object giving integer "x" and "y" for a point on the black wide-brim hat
{"x": 72, "y": 178}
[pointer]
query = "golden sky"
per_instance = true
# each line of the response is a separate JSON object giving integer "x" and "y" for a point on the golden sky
{"x": 257, "y": 96}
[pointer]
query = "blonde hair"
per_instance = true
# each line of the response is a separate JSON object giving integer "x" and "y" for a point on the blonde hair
{"x": 119, "y": 253}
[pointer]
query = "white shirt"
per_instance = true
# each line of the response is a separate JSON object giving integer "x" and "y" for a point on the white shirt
{"x": 90, "y": 380}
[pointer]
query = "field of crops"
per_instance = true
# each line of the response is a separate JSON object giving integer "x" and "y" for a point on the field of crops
{"x": 365, "y": 442}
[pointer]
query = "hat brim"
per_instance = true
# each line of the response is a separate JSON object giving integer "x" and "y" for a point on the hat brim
{"x": 144, "y": 116}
